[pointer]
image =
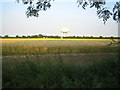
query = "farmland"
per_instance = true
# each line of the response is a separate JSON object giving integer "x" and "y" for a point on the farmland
{"x": 55, "y": 46}
{"x": 65, "y": 63}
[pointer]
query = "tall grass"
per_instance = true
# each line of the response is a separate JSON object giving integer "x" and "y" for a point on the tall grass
{"x": 35, "y": 50}
{"x": 35, "y": 47}
{"x": 26, "y": 73}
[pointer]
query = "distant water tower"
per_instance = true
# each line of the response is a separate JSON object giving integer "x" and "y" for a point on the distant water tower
{"x": 64, "y": 31}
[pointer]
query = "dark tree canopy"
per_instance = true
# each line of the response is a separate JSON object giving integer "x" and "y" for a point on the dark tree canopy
{"x": 33, "y": 9}
{"x": 102, "y": 11}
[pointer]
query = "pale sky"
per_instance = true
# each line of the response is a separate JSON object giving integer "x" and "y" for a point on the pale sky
{"x": 63, "y": 13}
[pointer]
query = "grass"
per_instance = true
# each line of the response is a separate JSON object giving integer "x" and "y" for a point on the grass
{"x": 29, "y": 73}
{"x": 36, "y": 50}
{"x": 49, "y": 63}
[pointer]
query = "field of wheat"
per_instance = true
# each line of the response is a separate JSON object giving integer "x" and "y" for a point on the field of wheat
{"x": 55, "y": 46}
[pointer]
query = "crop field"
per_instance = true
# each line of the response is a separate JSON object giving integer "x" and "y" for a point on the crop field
{"x": 64, "y": 63}
{"x": 55, "y": 46}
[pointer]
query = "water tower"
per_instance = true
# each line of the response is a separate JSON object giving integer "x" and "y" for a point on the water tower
{"x": 64, "y": 31}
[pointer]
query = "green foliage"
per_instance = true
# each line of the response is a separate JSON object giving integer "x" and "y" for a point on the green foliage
{"x": 6, "y": 36}
{"x": 116, "y": 10}
{"x": 102, "y": 11}
{"x": 33, "y": 9}
{"x": 92, "y": 3}
{"x": 58, "y": 37}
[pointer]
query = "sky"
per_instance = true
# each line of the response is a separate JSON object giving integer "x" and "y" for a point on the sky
{"x": 63, "y": 13}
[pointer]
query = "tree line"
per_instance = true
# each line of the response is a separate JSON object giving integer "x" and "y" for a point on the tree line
{"x": 56, "y": 36}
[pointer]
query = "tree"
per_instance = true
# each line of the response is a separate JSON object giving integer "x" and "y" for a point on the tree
{"x": 102, "y": 11}
{"x": 33, "y": 9}
{"x": 100, "y": 37}
{"x": 6, "y": 36}
{"x": 23, "y": 36}
{"x": 40, "y": 35}
{"x": 17, "y": 36}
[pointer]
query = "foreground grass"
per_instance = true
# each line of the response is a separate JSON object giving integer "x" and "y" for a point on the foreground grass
{"x": 26, "y": 73}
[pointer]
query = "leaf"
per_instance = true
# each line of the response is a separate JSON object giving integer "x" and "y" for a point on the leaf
{"x": 92, "y": 5}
